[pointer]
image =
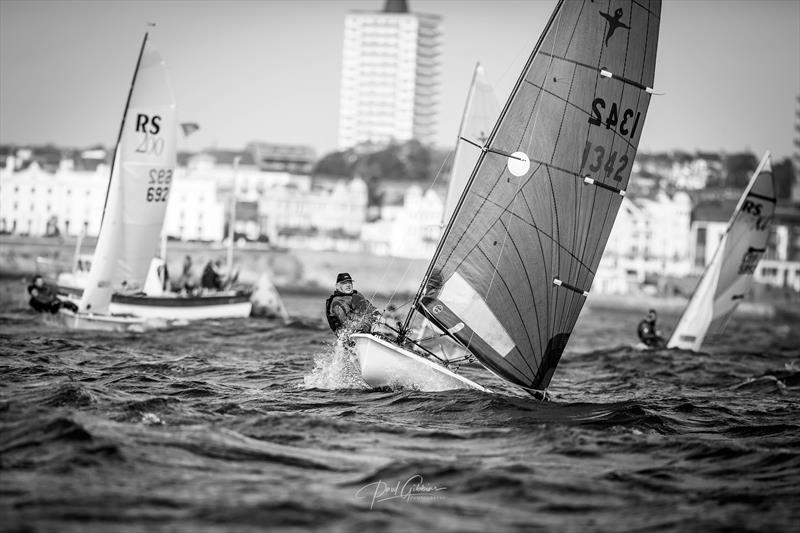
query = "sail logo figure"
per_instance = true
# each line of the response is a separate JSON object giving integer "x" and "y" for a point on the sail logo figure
{"x": 614, "y": 23}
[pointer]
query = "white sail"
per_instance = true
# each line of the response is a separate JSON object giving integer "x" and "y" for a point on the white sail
{"x": 140, "y": 184}
{"x": 730, "y": 274}
{"x": 480, "y": 114}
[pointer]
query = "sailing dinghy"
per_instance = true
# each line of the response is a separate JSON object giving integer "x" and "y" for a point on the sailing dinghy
{"x": 136, "y": 200}
{"x": 516, "y": 261}
{"x": 729, "y": 275}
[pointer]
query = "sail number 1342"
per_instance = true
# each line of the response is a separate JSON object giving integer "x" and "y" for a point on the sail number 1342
{"x": 626, "y": 124}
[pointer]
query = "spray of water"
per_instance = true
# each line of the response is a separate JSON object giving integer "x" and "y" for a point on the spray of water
{"x": 336, "y": 367}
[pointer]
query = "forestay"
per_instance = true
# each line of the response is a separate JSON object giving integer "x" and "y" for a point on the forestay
{"x": 140, "y": 184}
{"x": 518, "y": 257}
{"x": 729, "y": 275}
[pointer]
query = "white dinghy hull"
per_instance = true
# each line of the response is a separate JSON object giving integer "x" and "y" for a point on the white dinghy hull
{"x": 95, "y": 322}
{"x": 171, "y": 307}
{"x": 383, "y": 364}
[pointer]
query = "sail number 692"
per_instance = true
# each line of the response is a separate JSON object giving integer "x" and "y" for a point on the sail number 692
{"x": 157, "y": 194}
{"x": 160, "y": 179}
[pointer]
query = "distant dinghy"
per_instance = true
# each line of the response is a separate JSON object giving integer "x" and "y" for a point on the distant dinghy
{"x": 136, "y": 200}
{"x": 729, "y": 276}
{"x": 516, "y": 261}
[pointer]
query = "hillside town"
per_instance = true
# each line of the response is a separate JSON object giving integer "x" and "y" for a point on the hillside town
{"x": 677, "y": 208}
{"x": 383, "y": 191}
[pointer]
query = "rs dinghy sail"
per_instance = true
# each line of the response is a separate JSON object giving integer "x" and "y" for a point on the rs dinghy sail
{"x": 729, "y": 275}
{"x": 136, "y": 200}
{"x": 516, "y": 261}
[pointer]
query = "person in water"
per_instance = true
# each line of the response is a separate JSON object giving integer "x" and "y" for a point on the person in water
{"x": 347, "y": 308}
{"x": 647, "y": 331}
{"x": 44, "y": 299}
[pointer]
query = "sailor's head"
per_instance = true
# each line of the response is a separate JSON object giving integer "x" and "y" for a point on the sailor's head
{"x": 344, "y": 283}
{"x": 38, "y": 280}
{"x": 651, "y": 315}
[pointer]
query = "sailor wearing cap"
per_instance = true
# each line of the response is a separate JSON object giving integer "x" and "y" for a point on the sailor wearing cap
{"x": 347, "y": 308}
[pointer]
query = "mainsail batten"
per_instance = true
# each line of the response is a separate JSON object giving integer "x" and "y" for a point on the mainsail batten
{"x": 514, "y": 232}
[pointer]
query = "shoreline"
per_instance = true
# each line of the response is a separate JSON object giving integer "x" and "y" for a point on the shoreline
{"x": 312, "y": 273}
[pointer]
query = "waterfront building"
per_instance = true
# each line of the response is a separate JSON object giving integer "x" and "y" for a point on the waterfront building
{"x": 61, "y": 201}
{"x": 69, "y": 201}
{"x": 779, "y": 266}
{"x": 409, "y": 229}
{"x": 287, "y": 158}
{"x": 317, "y": 216}
{"x": 389, "y": 76}
{"x": 649, "y": 241}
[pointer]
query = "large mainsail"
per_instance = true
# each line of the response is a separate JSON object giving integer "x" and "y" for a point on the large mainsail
{"x": 729, "y": 275}
{"x": 141, "y": 179}
{"x": 480, "y": 114}
{"x": 518, "y": 257}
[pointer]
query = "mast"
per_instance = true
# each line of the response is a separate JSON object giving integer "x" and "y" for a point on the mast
{"x": 77, "y": 257}
{"x": 484, "y": 150}
{"x": 122, "y": 123}
{"x": 232, "y": 216}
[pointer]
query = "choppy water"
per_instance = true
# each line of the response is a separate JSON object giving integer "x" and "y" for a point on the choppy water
{"x": 253, "y": 425}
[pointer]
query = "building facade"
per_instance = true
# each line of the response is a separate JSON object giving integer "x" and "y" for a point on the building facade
{"x": 649, "y": 240}
{"x": 69, "y": 202}
{"x": 411, "y": 229}
{"x": 780, "y": 265}
{"x": 389, "y": 76}
{"x": 35, "y": 201}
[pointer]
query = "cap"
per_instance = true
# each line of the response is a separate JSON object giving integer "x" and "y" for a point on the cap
{"x": 344, "y": 276}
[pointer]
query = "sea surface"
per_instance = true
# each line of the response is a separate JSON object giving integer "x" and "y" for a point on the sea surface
{"x": 254, "y": 425}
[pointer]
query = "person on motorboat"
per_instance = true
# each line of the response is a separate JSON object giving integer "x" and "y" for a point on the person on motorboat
{"x": 347, "y": 309}
{"x": 648, "y": 333}
{"x": 211, "y": 278}
{"x": 44, "y": 299}
{"x": 186, "y": 281}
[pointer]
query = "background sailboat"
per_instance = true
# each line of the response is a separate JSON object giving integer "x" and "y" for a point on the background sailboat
{"x": 477, "y": 120}
{"x": 158, "y": 301}
{"x": 517, "y": 259}
{"x": 480, "y": 114}
{"x": 729, "y": 275}
{"x": 136, "y": 200}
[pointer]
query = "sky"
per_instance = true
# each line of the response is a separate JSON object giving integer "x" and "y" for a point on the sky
{"x": 269, "y": 70}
